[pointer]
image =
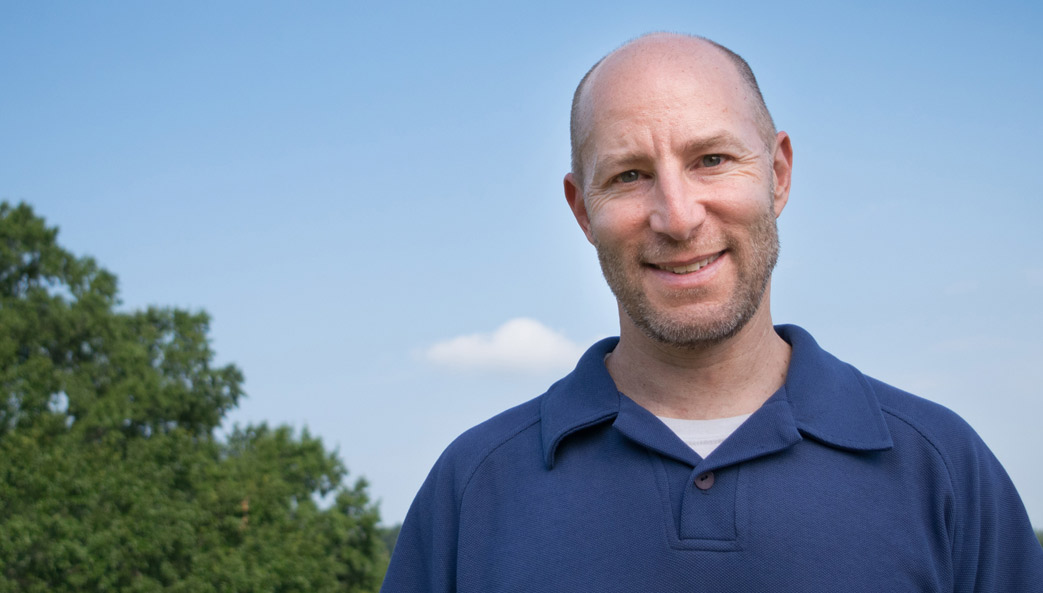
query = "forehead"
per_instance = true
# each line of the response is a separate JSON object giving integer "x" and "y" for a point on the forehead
{"x": 679, "y": 86}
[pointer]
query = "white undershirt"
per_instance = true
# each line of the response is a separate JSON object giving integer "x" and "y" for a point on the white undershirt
{"x": 703, "y": 436}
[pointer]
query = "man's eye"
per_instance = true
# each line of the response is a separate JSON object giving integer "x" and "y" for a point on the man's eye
{"x": 628, "y": 176}
{"x": 712, "y": 160}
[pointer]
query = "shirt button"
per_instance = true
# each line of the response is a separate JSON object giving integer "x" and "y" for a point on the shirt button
{"x": 704, "y": 481}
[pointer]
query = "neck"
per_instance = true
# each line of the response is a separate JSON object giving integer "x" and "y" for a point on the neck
{"x": 719, "y": 380}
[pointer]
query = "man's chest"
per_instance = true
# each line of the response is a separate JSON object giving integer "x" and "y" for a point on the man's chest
{"x": 805, "y": 519}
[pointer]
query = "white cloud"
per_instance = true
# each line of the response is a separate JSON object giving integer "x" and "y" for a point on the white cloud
{"x": 519, "y": 345}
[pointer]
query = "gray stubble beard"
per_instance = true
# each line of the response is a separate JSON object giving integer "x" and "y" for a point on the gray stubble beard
{"x": 752, "y": 284}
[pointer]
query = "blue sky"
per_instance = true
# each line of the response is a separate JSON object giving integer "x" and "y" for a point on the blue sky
{"x": 367, "y": 198}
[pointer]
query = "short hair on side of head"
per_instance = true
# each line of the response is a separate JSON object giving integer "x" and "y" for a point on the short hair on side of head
{"x": 574, "y": 139}
{"x": 761, "y": 113}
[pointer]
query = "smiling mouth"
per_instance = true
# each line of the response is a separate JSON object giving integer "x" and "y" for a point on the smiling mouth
{"x": 692, "y": 267}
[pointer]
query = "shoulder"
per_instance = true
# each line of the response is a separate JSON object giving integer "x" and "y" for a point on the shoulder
{"x": 985, "y": 513}
{"x": 470, "y": 450}
{"x": 926, "y": 433}
{"x": 424, "y": 556}
{"x": 936, "y": 424}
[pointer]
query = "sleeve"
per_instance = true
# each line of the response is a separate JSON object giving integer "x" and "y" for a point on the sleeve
{"x": 994, "y": 547}
{"x": 424, "y": 560}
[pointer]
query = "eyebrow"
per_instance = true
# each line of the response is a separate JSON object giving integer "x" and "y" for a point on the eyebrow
{"x": 616, "y": 161}
{"x": 717, "y": 139}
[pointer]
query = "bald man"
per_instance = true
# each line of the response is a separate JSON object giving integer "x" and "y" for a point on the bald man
{"x": 706, "y": 449}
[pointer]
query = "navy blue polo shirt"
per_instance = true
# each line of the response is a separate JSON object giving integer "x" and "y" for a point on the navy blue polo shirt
{"x": 837, "y": 483}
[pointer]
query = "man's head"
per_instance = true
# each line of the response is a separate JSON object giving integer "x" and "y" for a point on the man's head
{"x": 678, "y": 177}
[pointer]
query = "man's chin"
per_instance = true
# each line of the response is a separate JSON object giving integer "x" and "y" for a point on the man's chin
{"x": 690, "y": 330}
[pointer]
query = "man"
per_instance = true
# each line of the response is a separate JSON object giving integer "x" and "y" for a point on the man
{"x": 705, "y": 449}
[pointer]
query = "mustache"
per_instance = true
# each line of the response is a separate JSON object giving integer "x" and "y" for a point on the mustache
{"x": 666, "y": 248}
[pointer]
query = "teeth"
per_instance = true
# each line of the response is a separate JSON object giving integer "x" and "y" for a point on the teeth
{"x": 692, "y": 267}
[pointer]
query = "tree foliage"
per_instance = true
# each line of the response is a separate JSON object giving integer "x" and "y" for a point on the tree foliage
{"x": 111, "y": 477}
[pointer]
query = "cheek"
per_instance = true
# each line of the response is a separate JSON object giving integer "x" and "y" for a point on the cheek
{"x": 744, "y": 203}
{"x": 615, "y": 224}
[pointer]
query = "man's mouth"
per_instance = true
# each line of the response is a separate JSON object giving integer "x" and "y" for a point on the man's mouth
{"x": 689, "y": 268}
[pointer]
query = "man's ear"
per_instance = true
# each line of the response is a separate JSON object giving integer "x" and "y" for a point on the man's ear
{"x": 574, "y": 196}
{"x": 782, "y": 169}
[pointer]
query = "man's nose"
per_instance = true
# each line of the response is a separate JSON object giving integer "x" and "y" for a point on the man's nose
{"x": 677, "y": 209}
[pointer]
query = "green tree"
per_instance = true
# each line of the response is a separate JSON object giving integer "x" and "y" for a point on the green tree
{"x": 111, "y": 476}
